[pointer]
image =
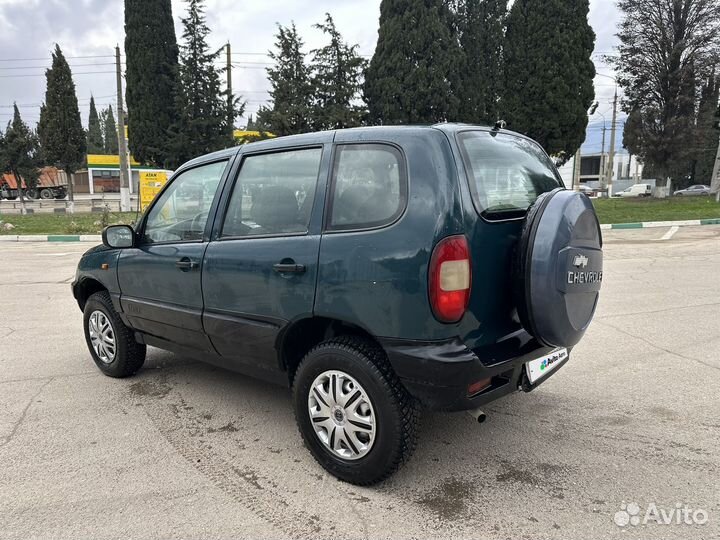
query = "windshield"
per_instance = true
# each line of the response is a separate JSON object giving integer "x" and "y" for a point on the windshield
{"x": 507, "y": 173}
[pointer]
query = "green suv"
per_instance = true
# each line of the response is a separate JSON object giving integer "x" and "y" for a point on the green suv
{"x": 375, "y": 271}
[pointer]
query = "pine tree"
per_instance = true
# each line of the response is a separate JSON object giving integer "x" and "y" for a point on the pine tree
{"x": 291, "y": 91}
{"x": 250, "y": 126}
{"x": 412, "y": 77}
{"x": 152, "y": 78}
{"x": 482, "y": 24}
{"x": 62, "y": 137}
{"x": 337, "y": 81}
{"x": 95, "y": 143}
{"x": 19, "y": 155}
{"x": 665, "y": 49}
{"x": 202, "y": 104}
{"x": 706, "y": 132}
{"x": 549, "y": 73}
{"x": 110, "y": 131}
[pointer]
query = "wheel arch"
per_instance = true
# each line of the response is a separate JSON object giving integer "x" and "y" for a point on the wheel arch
{"x": 85, "y": 288}
{"x": 301, "y": 335}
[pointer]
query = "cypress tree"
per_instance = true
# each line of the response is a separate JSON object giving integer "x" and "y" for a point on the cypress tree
{"x": 110, "y": 131}
{"x": 152, "y": 78}
{"x": 201, "y": 103}
{"x": 482, "y": 24}
{"x": 95, "y": 143}
{"x": 549, "y": 73}
{"x": 19, "y": 155}
{"x": 707, "y": 133}
{"x": 413, "y": 74}
{"x": 291, "y": 91}
{"x": 337, "y": 81}
{"x": 62, "y": 137}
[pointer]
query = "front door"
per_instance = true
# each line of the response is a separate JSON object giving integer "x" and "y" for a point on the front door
{"x": 260, "y": 272}
{"x": 159, "y": 280}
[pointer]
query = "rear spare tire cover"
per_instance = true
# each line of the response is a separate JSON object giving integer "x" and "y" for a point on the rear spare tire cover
{"x": 559, "y": 268}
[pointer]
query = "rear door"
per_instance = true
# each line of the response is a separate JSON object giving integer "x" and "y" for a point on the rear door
{"x": 260, "y": 271}
{"x": 160, "y": 278}
{"x": 506, "y": 173}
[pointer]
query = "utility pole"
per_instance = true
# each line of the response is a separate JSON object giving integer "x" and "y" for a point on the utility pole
{"x": 122, "y": 143}
{"x": 715, "y": 179}
{"x": 230, "y": 107}
{"x": 602, "y": 154}
{"x": 611, "y": 154}
{"x": 576, "y": 171}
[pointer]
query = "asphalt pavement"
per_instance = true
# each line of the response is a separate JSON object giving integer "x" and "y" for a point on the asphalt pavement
{"x": 629, "y": 428}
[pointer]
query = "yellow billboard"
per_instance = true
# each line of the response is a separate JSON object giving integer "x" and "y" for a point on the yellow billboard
{"x": 151, "y": 182}
{"x": 100, "y": 161}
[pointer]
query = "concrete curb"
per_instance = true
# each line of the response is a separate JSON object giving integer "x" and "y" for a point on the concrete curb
{"x": 52, "y": 238}
{"x": 655, "y": 224}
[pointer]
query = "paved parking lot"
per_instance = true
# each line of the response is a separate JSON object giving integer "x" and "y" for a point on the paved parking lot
{"x": 187, "y": 450}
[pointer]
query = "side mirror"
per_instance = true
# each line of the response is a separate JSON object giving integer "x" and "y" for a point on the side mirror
{"x": 118, "y": 236}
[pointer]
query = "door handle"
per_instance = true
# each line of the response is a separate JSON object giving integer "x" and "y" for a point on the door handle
{"x": 283, "y": 268}
{"x": 186, "y": 263}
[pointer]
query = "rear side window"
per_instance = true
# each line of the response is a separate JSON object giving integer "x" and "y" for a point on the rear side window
{"x": 274, "y": 194}
{"x": 369, "y": 186}
{"x": 506, "y": 173}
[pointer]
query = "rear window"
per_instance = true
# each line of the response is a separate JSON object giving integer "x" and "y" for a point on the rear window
{"x": 506, "y": 173}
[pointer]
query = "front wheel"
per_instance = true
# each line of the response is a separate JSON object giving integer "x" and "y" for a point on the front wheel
{"x": 111, "y": 343}
{"x": 354, "y": 415}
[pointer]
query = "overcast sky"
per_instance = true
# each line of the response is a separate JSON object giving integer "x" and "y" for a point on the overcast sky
{"x": 88, "y": 30}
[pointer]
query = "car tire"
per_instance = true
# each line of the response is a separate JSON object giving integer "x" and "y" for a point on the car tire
{"x": 118, "y": 354}
{"x": 364, "y": 452}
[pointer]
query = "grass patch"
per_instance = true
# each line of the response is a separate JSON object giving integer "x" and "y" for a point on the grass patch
{"x": 63, "y": 223}
{"x": 648, "y": 209}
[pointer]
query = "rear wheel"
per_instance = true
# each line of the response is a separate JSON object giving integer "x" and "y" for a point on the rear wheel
{"x": 46, "y": 194}
{"x": 111, "y": 343}
{"x": 356, "y": 418}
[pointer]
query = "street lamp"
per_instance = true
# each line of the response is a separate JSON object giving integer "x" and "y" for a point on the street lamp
{"x": 602, "y": 148}
{"x": 611, "y": 153}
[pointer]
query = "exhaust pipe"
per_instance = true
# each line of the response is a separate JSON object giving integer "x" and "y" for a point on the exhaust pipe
{"x": 478, "y": 415}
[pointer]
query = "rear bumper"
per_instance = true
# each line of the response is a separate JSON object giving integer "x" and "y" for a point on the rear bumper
{"x": 438, "y": 373}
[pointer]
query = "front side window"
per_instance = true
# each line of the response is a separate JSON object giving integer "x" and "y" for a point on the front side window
{"x": 369, "y": 186}
{"x": 180, "y": 214}
{"x": 506, "y": 173}
{"x": 274, "y": 194}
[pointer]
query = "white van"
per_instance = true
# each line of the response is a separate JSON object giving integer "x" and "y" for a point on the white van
{"x": 637, "y": 190}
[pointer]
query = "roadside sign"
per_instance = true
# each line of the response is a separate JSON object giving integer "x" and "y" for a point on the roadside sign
{"x": 151, "y": 182}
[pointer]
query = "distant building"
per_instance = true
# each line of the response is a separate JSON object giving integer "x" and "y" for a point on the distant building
{"x": 627, "y": 170}
{"x": 103, "y": 175}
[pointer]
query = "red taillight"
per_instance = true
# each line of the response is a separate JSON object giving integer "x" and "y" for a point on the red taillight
{"x": 449, "y": 279}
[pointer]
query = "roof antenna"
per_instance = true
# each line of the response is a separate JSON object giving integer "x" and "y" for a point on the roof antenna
{"x": 500, "y": 124}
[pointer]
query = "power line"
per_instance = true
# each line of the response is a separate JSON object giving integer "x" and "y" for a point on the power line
{"x": 42, "y": 74}
{"x": 45, "y": 58}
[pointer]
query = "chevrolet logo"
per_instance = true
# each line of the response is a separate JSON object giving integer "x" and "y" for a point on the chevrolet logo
{"x": 580, "y": 261}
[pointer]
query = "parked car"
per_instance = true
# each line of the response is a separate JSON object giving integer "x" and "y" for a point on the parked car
{"x": 373, "y": 270}
{"x": 636, "y": 190}
{"x": 694, "y": 191}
